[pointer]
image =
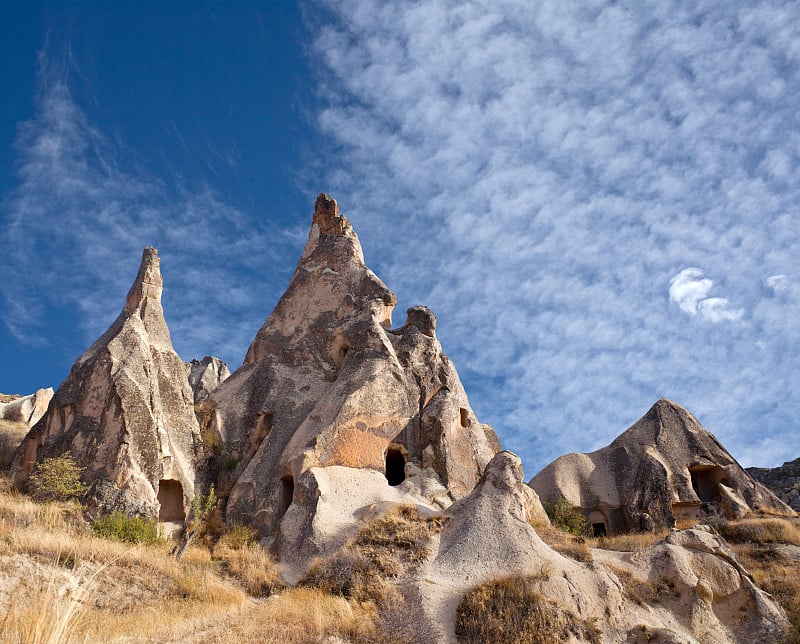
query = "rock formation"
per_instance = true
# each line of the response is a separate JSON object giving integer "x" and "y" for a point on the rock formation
{"x": 26, "y": 409}
{"x": 330, "y": 397}
{"x": 665, "y": 467}
{"x": 125, "y": 412}
{"x": 784, "y": 481}
{"x": 205, "y": 375}
{"x": 706, "y": 595}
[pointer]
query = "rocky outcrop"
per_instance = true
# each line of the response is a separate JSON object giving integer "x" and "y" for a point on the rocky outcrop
{"x": 125, "y": 412}
{"x": 328, "y": 383}
{"x": 206, "y": 375}
{"x": 784, "y": 481}
{"x": 26, "y": 409}
{"x": 696, "y": 589}
{"x": 665, "y": 467}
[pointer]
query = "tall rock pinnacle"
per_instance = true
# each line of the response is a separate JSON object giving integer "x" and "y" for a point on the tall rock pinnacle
{"x": 327, "y": 383}
{"x": 125, "y": 412}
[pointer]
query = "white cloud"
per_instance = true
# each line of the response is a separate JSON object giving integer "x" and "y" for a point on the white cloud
{"x": 689, "y": 290}
{"x": 778, "y": 282}
{"x": 688, "y": 287}
{"x": 532, "y": 170}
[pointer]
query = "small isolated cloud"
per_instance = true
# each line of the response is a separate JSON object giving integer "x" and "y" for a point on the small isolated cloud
{"x": 689, "y": 290}
{"x": 778, "y": 282}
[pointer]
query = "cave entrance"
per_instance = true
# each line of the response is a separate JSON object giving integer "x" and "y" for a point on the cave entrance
{"x": 706, "y": 480}
{"x": 598, "y": 529}
{"x": 170, "y": 496}
{"x": 395, "y": 466}
{"x": 597, "y": 523}
{"x": 286, "y": 493}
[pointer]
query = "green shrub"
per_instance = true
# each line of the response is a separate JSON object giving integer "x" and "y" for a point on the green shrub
{"x": 229, "y": 463}
{"x": 58, "y": 479}
{"x": 118, "y": 526}
{"x": 564, "y": 517}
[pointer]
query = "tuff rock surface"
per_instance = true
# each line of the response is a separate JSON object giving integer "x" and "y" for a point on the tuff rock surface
{"x": 784, "y": 481}
{"x": 205, "y": 375}
{"x": 125, "y": 412}
{"x": 706, "y": 595}
{"x": 327, "y": 383}
{"x": 665, "y": 467}
{"x": 26, "y": 409}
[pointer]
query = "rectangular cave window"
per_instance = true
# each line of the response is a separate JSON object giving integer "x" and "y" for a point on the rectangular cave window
{"x": 465, "y": 422}
{"x": 598, "y": 529}
{"x": 286, "y": 493}
{"x": 395, "y": 466}
{"x": 170, "y": 496}
{"x": 705, "y": 482}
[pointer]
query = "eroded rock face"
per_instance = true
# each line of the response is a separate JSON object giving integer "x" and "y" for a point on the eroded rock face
{"x": 784, "y": 481}
{"x": 690, "y": 586}
{"x": 665, "y": 467}
{"x": 125, "y": 412}
{"x": 327, "y": 382}
{"x": 205, "y": 375}
{"x": 27, "y": 409}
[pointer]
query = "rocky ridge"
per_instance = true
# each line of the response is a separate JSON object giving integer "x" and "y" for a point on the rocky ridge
{"x": 666, "y": 466}
{"x": 784, "y": 481}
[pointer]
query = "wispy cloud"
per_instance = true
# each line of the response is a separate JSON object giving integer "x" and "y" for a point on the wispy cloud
{"x": 75, "y": 225}
{"x": 539, "y": 172}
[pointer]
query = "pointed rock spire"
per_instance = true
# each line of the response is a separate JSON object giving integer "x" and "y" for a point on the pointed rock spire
{"x": 327, "y": 382}
{"x": 125, "y": 412}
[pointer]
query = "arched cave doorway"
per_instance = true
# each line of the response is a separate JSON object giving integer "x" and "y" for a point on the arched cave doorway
{"x": 706, "y": 480}
{"x": 170, "y": 496}
{"x": 395, "y": 466}
{"x": 286, "y": 493}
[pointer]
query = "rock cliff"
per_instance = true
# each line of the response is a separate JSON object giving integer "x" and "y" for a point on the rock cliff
{"x": 125, "y": 412}
{"x": 328, "y": 383}
{"x": 784, "y": 481}
{"x": 26, "y": 409}
{"x": 665, "y": 467}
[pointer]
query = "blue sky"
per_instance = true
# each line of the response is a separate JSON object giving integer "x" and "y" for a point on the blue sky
{"x": 598, "y": 199}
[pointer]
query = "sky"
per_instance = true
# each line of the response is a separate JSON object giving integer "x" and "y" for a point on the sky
{"x": 597, "y": 199}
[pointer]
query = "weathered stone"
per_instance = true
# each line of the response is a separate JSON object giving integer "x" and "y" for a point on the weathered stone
{"x": 125, "y": 412}
{"x": 665, "y": 467}
{"x": 326, "y": 382}
{"x": 784, "y": 481}
{"x": 27, "y": 409}
{"x": 205, "y": 375}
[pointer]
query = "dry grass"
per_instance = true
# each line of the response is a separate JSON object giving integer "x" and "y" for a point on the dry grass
{"x": 647, "y": 591}
{"x": 776, "y": 573}
{"x": 628, "y": 542}
{"x": 567, "y": 544}
{"x": 61, "y": 583}
{"x": 759, "y": 531}
{"x": 512, "y": 610}
{"x": 297, "y": 615}
{"x": 384, "y": 549}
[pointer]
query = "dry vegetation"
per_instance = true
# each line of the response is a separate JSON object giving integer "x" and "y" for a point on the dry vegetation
{"x": 382, "y": 550}
{"x": 769, "y": 548}
{"x": 11, "y": 435}
{"x": 59, "y": 582}
{"x": 513, "y": 610}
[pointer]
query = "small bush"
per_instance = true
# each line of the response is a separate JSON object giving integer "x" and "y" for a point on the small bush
{"x": 58, "y": 479}
{"x": 384, "y": 548}
{"x": 512, "y": 610}
{"x": 564, "y": 517}
{"x": 229, "y": 463}
{"x": 120, "y": 527}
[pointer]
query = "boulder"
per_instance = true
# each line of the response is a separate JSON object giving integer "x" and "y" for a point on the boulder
{"x": 664, "y": 468}
{"x": 125, "y": 412}
{"x": 328, "y": 382}
{"x": 26, "y": 409}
